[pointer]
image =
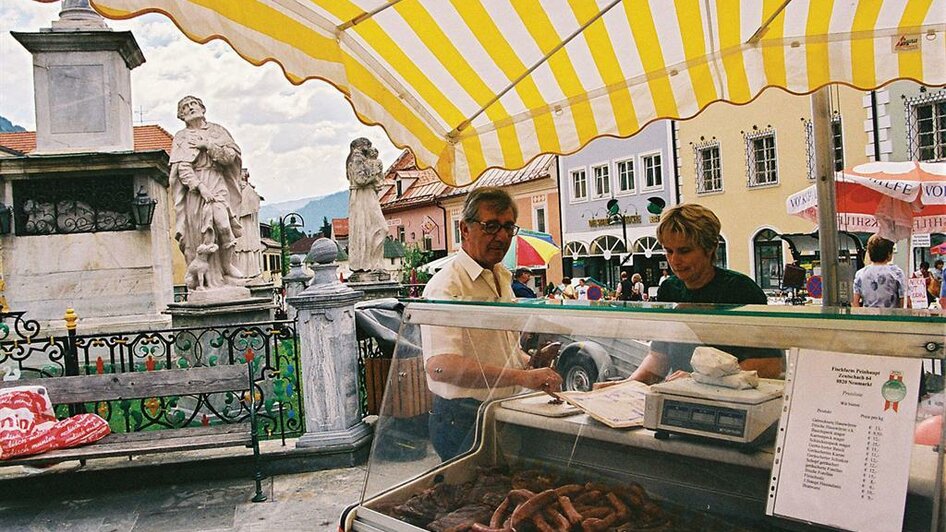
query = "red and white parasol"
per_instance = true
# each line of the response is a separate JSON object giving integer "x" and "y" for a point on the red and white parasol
{"x": 892, "y": 199}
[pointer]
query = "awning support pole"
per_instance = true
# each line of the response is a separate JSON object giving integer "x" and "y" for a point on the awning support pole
{"x": 824, "y": 184}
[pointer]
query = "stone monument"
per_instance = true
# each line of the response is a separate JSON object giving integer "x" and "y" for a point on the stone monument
{"x": 367, "y": 227}
{"x": 208, "y": 189}
{"x": 329, "y": 363}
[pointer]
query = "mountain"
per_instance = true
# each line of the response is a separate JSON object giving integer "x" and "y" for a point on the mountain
{"x": 7, "y": 127}
{"x": 311, "y": 209}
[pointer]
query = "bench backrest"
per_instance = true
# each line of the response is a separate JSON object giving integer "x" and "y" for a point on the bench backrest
{"x": 163, "y": 383}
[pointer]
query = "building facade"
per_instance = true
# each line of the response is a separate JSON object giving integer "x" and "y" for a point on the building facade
{"x": 612, "y": 194}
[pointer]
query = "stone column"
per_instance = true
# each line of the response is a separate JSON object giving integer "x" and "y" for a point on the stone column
{"x": 297, "y": 279}
{"x": 329, "y": 360}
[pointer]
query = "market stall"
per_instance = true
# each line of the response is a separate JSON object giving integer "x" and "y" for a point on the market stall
{"x": 728, "y": 464}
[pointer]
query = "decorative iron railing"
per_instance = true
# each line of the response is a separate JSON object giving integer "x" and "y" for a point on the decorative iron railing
{"x": 271, "y": 347}
{"x": 373, "y": 367}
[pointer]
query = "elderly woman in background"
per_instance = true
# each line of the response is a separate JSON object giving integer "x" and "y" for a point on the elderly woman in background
{"x": 879, "y": 284}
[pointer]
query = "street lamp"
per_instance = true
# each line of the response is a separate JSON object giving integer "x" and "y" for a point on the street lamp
{"x": 295, "y": 220}
{"x": 615, "y": 216}
{"x": 142, "y": 208}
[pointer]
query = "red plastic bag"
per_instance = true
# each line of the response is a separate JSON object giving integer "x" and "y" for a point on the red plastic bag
{"x": 28, "y": 424}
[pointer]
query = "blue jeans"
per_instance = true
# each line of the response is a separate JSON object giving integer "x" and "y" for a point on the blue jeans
{"x": 452, "y": 425}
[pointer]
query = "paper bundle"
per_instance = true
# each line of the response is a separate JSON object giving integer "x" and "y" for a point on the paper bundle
{"x": 719, "y": 368}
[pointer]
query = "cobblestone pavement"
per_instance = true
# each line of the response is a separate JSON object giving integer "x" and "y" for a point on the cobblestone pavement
{"x": 304, "y": 501}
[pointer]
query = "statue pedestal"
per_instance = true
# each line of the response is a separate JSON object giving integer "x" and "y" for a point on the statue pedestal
{"x": 216, "y": 314}
{"x": 328, "y": 352}
{"x": 379, "y": 290}
{"x": 259, "y": 289}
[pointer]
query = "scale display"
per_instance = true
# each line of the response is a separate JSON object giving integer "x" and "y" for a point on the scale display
{"x": 704, "y": 418}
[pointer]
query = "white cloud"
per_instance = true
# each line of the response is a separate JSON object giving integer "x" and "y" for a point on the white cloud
{"x": 294, "y": 138}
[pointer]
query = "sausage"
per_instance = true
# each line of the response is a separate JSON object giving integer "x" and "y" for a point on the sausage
{"x": 541, "y": 523}
{"x": 531, "y": 506}
{"x": 520, "y": 495}
{"x": 569, "y": 489}
{"x": 573, "y": 516}
{"x": 497, "y": 519}
{"x": 598, "y": 512}
{"x": 556, "y": 519}
{"x": 621, "y": 508}
{"x": 479, "y": 527}
{"x": 594, "y": 524}
{"x": 588, "y": 497}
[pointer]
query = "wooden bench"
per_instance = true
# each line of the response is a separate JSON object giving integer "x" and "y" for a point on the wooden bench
{"x": 143, "y": 385}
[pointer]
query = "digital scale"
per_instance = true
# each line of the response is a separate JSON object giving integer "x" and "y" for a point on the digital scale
{"x": 684, "y": 406}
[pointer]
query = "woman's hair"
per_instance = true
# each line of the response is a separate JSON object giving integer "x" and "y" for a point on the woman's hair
{"x": 623, "y": 275}
{"x": 879, "y": 249}
{"x": 695, "y": 222}
{"x": 636, "y": 278}
{"x": 498, "y": 200}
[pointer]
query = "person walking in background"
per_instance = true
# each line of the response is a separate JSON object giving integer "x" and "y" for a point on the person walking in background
{"x": 924, "y": 273}
{"x": 663, "y": 276}
{"x": 520, "y": 282}
{"x": 935, "y": 286}
{"x": 582, "y": 290}
{"x": 881, "y": 284}
{"x": 568, "y": 291}
{"x": 637, "y": 290}
{"x": 625, "y": 288}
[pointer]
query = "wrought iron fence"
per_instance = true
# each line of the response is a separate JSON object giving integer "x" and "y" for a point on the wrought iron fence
{"x": 272, "y": 348}
{"x": 373, "y": 366}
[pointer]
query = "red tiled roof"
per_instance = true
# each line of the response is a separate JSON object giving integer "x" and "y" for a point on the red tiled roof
{"x": 539, "y": 168}
{"x": 303, "y": 245}
{"x": 339, "y": 228}
{"x": 146, "y": 138}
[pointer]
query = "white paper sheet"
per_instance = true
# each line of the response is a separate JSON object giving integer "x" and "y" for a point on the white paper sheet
{"x": 845, "y": 438}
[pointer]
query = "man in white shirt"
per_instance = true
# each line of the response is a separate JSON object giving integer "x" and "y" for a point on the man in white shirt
{"x": 582, "y": 290}
{"x": 466, "y": 366}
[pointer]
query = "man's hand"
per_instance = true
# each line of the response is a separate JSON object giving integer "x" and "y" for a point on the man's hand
{"x": 543, "y": 357}
{"x": 544, "y": 379}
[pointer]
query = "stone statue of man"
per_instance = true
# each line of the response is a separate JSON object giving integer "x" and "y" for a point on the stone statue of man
{"x": 367, "y": 227}
{"x": 249, "y": 249}
{"x": 206, "y": 171}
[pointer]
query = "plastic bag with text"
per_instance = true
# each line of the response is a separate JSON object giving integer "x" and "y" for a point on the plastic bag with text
{"x": 28, "y": 424}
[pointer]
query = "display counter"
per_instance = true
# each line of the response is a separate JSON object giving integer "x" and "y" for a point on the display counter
{"x": 680, "y": 482}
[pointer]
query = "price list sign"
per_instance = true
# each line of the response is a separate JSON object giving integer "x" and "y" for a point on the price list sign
{"x": 845, "y": 438}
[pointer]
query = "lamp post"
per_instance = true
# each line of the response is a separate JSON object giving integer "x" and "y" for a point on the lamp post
{"x": 142, "y": 208}
{"x": 614, "y": 216}
{"x": 295, "y": 220}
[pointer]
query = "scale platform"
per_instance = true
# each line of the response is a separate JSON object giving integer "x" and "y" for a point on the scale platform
{"x": 686, "y": 407}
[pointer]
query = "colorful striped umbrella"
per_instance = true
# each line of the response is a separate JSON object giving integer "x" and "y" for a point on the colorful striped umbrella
{"x": 475, "y": 84}
{"x": 530, "y": 249}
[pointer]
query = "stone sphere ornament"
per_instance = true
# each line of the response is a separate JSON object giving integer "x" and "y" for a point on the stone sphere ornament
{"x": 323, "y": 251}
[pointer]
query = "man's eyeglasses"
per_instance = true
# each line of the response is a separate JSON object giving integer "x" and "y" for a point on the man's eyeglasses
{"x": 493, "y": 227}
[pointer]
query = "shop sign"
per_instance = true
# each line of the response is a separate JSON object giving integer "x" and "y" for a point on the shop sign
{"x": 921, "y": 240}
{"x": 394, "y": 221}
{"x": 628, "y": 219}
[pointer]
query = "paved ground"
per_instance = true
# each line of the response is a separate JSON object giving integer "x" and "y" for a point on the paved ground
{"x": 304, "y": 501}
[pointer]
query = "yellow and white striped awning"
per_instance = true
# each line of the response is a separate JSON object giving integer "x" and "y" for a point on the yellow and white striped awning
{"x": 473, "y": 84}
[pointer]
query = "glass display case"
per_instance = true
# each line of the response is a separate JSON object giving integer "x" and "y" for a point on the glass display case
{"x": 686, "y": 454}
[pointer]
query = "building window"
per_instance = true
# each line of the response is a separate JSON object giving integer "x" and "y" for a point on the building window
{"x": 456, "y": 231}
{"x": 579, "y": 185}
{"x": 926, "y": 126}
{"x": 837, "y": 137}
{"x": 768, "y": 259}
{"x": 721, "y": 261}
{"x": 625, "y": 169}
{"x": 653, "y": 171}
{"x": 540, "y": 219}
{"x": 709, "y": 173}
{"x": 761, "y": 163}
{"x": 428, "y": 242}
{"x": 602, "y": 175}
{"x": 400, "y": 233}
{"x": 399, "y": 188}
{"x": 78, "y": 205}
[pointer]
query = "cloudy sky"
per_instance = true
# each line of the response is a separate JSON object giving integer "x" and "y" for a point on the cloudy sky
{"x": 294, "y": 138}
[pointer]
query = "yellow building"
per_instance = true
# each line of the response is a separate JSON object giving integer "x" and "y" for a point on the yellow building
{"x": 744, "y": 161}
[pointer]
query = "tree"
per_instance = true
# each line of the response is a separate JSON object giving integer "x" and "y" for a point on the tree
{"x": 326, "y": 228}
{"x": 414, "y": 256}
